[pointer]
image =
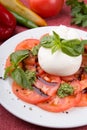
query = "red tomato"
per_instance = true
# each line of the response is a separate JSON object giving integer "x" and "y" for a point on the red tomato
{"x": 56, "y": 104}
{"x": 46, "y": 8}
{"x": 27, "y": 44}
{"x": 29, "y": 96}
{"x": 83, "y": 101}
{"x": 49, "y": 88}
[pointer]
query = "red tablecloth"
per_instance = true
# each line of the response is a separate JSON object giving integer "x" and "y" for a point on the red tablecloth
{"x": 9, "y": 121}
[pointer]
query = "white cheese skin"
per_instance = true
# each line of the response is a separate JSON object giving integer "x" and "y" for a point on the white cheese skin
{"x": 66, "y": 32}
{"x": 58, "y": 63}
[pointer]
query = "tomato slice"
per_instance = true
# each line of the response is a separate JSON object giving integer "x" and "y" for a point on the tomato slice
{"x": 27, "y": 44}
{"x": 68, "y": 78}
{"x": 56, "y": 104}
{"x": 49, "y": 88}
{"x": 29, "y": 96}
{"x": 83, "y": 101}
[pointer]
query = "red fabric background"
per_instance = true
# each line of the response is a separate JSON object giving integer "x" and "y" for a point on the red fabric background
{"x": 7, "y": 120}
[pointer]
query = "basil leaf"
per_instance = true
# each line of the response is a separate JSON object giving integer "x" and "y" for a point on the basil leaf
{"x": 8, "y": 70}
{"x": 47, "y": 41}
{"x": 72, "y": 47}
{"x": 52, "y": 42}
{"x": 18, "y": 56}
{"x": 20, "y": 77}
{"x": 31, "y": 76}
{"x": 56, "y": 38}
{"x": 35, "y": 50}
{"x": 54, "y": 48}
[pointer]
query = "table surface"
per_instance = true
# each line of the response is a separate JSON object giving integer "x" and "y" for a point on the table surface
{"x": 9, "y": 121}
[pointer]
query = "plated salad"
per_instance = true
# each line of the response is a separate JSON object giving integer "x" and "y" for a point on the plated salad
{"x": 50, "y": 72}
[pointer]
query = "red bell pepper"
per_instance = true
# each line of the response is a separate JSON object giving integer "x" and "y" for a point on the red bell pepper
{"x": 7, "y": 23}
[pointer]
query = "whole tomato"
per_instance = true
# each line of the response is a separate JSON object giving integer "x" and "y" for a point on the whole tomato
{"x": 46, "y": 8}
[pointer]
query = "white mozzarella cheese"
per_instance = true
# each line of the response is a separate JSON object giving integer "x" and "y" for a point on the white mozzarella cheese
{"x": 59, "y": 63}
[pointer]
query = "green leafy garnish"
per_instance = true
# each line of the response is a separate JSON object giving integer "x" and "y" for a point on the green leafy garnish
{"x": 18, "y": 56}
{"x": 51, "y": 41}
{"x": 73, "y": 47}
{"x": 35, "y": 50}
{"x": 31, "y": 76}
{"x": 8, "y": 70}
{"x": 15, "y": 59}
{"x": 47, "y": 41}
{"x": 65, "y": 90}
{"x": 78, "y": 12}
{"x": 23, "y": 78}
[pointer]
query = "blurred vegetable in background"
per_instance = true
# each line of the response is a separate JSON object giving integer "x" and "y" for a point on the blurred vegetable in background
{"x": 23, "y": 21}
{"x": 46, "y": 8}
{"x": 18, "y": 7}
{"x": 7, "y": 23}
{"x": 78, "y": 12}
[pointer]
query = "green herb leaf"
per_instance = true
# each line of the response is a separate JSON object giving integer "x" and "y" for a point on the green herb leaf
{"x": 51, "y": 41}
{"x": 21, "y": 78}
{"x": 31, "y": 76}
{"x": 18, "y": 56}
{"x": 72, "y": 47}
{"x": 8, "y": 70}
{"x": 47, "y": 41}
{"x": 35, "y": 50}
{"x": 78, "y": 12}
{"x": 65, "y": 90}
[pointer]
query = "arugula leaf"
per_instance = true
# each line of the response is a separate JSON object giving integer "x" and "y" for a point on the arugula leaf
{"x": 18, "y": 56}
{"x": 78, "y": 12}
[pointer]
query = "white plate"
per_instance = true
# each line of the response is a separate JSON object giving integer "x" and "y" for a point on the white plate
{"x": 30, "y": 113}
